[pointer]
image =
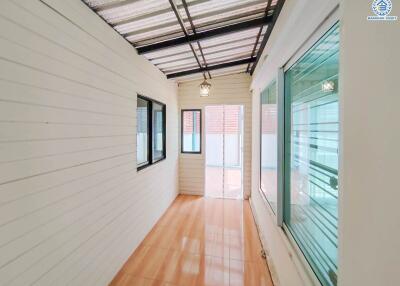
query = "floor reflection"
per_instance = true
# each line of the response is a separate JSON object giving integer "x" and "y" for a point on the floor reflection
{"x": 199, "y": 241}
{"x": 223, "y": 182}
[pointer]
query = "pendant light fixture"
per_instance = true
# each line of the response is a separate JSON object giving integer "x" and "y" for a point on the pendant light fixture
{"x": 205, "y": 88}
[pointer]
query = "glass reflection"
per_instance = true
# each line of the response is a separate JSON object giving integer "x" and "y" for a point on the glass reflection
{"x": 269, "y": 145}
{"x": 311, "y": 198}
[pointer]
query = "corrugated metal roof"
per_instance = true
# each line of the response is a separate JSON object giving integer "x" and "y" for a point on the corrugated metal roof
{"x": 180, "y": 35}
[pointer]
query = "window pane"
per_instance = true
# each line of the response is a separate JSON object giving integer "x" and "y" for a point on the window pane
{"x": 191, "y": 124}
{"x": 142, "y": 132}
{"x": 269, "y": 147}
{"x": 312, "y": 140}
{"x": 158, "y": 134}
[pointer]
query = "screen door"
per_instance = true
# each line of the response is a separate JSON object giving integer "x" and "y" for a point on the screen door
{"x": 224, "y": 151}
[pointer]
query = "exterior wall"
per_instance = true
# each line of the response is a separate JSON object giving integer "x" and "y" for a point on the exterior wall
{"x": 296, "y": 23}
{"x": 231, "y": 89}
{"x": 72, "y": 205}
{"x": 369, "y": 234}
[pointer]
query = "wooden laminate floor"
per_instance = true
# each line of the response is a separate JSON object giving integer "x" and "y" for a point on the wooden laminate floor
{"x": 199, "y": 241}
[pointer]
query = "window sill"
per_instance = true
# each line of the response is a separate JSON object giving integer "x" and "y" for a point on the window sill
{"x": 150, "y": 164}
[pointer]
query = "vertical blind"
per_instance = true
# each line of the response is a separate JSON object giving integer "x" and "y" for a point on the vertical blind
{"x": 311, "y": 155}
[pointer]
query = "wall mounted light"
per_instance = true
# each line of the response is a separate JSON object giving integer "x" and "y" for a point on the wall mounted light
{"x": 205, "y": 89}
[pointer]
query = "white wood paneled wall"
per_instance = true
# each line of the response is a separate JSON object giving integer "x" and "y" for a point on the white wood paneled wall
{"x": 230, "y": 89}
{"x": 72, "y": 205}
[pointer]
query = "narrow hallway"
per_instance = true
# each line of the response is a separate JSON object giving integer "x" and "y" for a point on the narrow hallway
{"x": 199, "y": 241}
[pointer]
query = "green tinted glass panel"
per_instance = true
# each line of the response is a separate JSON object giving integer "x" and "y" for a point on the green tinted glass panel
{"x": 269, "y": 147}
{"x": 311, "y": 154}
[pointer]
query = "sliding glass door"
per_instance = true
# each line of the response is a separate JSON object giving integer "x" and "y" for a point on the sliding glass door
{"x": 311, "y": 155}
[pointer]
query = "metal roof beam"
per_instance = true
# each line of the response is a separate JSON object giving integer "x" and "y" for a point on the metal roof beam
{"x": 194, "y": 32}
{"x": 275, "y": 15}
{"x": 259, "y": 34}
{"x": 205, "y": 35}
{"x": 216, "y": 23}
{"x": 202, "y": 26}
{"x": 213, "y": 67}
{"x": 205, "y": 48}
{"x": 180, "y": 21}
{"x": 205, "y": 54}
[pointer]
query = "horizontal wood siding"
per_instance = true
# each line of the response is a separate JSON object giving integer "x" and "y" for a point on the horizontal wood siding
{"x": 230, "y": 89}
{"x": 72, "y": 205}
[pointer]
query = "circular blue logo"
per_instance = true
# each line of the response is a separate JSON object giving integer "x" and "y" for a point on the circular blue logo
{"x": 382, "y": 7}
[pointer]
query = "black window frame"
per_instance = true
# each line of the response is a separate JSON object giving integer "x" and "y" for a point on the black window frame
{"x": 201, "y": 131}
{"x": 150, "y": 160}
